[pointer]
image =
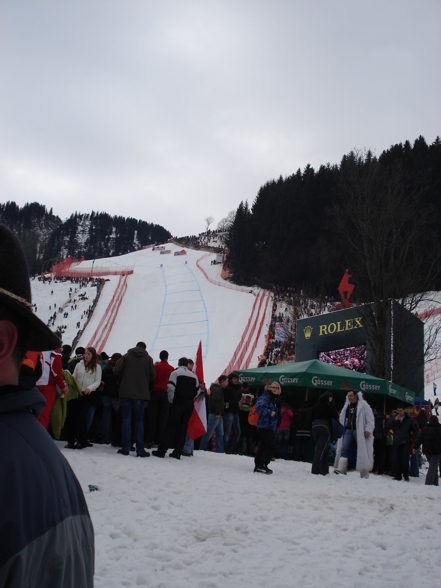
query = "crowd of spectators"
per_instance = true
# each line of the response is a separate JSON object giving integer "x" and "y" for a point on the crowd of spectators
{"x": 351, "y": 358}
{"x": 209, "y": 241}
{"x": 76, "y": 295}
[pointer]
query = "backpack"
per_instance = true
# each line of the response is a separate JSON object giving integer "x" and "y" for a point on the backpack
{"x": 253, "y": 417}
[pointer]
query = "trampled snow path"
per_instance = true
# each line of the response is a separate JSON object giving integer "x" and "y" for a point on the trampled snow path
{"x": 209, "y": 521}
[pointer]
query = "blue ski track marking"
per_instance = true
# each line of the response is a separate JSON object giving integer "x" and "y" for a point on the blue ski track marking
{"x": 171, "y": 319}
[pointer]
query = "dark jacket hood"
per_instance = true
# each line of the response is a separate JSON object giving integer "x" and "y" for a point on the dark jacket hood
{"x": 137, "y": 352}
{"x": 20, "y": 400}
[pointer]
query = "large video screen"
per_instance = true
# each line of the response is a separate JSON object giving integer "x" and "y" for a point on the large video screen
{"x": 351, "y": 358}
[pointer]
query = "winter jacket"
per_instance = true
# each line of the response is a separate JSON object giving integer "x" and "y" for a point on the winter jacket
{"x": 52, "y": 370}
{"x": 265, "y": 405}
{"x": 183, "y": 386}
{"x": 426, "y": 437}
{"x": 87, "y": 379}
{"x": 111, "y": 386}
{"x": 163, "y": 373}
{"x": 72, "y": 384}
{"x": 365, "y": 445}
{"x": 136, "y": 373}
{"x": 379, "y": 432}
{"x": 287, "y": 416}
{"x": 232, "y": 395}
{"x": 302, "y": 422}
{"x": 216, "y": 400}
{"x": 422, "y": 419}
{"x": 46, "y": 535}
{"x": 402, "y": 429}
{"x": 324, "y": 410}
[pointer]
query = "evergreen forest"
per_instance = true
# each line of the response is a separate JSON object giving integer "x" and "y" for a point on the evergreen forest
{"x": 370, "y": 214}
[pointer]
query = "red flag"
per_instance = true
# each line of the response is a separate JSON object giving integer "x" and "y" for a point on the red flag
{"x": 198, "y": 367}
{"x": 197, "y": 425}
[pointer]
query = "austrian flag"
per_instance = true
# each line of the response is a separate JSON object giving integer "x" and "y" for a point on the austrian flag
{"x": 197, "y": 425}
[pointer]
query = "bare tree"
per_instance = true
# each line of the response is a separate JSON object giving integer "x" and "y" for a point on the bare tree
{"x": 225, "y": 223}
{"x": 208, "y": 221}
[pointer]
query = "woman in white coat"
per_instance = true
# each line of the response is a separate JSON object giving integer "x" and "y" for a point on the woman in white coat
{"x": 88, "y": 375}
{"x": 358, "y": 421}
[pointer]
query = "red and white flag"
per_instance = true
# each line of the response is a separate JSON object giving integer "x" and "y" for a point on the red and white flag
{"x": 197, "y": 425}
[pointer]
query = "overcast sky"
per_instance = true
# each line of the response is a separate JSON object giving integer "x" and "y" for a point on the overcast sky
{"x": 172, "y": 111}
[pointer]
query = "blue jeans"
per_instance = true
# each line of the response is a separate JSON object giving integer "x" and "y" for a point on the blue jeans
{"x": 90, "y": 415}
{"x": 108, "y": 404}
{"x": 126, "y": 407}
{"x": 231, "y": 420}
{"x": 189, "y": 445}
{"x": 349, "y": 437}
{"x": 213, "y": 424}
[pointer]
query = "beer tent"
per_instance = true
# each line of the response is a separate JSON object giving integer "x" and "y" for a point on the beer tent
{"x": 308, "y": 379}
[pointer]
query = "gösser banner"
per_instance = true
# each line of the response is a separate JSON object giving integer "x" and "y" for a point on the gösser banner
{"x": 318, "y": 375}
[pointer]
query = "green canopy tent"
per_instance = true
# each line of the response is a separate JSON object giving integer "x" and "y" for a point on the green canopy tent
{"x": 316, "y": 376}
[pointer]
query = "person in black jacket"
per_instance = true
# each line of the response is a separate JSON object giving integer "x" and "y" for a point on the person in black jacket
{"x": 322, "y": 413}
{"x": 109, "y": 397}
{"x": 215, "y": 409}
{"x": 430, "y": 438}
{"x": 232, "y": 395}
{"x": 379, "y": 443}
{"x": 182, "y": 389}
{"x": 403, "y": 426}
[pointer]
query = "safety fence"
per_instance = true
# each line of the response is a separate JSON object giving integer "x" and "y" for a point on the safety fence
{"x": 433, "y": 373}
{"x": 72, "y": 268}
{"x": 428, "y": 314}
{"x": 223, "y": 283}
{"x": 102, "y": 332}
{"x": 256, "y": 338}
{"x": 251, "y": 334}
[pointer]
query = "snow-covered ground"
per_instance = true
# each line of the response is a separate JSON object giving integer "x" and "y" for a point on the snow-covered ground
{"x": 208, "y": 521}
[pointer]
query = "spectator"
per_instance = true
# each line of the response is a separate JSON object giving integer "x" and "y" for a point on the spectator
{"x": 359, "y": 423}
{"x": 215, "y": 408}
{"x": 110, "y": 398}
{"x": 322, "y": 413}
{"x": 284, "y": 429}
{"x": 136, "y": 373}
{"x": 379, "y": 443}
{"x": 46, "y": 535}
{"x": 183, "y": 387}
{"x": 157, "y": 413}
{"x": 51, "y": 377}
{"x": 88, "y": 375}
{"x": 232, "y": 394}
{"x": 430, "y": 438}
{"x": 267, "y": 408}
{"x": 403, "y": 427}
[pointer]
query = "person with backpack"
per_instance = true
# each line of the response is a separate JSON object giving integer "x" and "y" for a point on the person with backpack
{"x": 267, "y": 408}
{"x": 430, "y": 439}
{"x": 322, "y": 413}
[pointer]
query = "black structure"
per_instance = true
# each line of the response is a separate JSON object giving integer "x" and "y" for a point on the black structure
{"x": 349, "y": 328}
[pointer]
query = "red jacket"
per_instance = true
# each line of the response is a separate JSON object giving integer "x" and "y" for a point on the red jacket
{"x": 163, "y": 371}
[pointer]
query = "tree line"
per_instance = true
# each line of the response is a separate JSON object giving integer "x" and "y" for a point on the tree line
{"x": 46, "y": 238}
{"x": 378, "y": 216}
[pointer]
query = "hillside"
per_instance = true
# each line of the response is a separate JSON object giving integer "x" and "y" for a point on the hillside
{"x": 45, "y": 237}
